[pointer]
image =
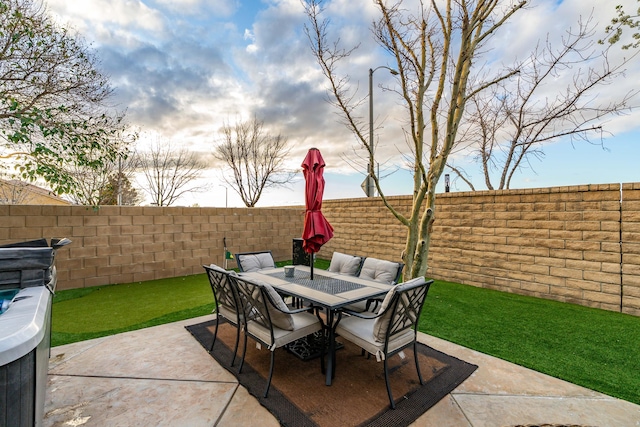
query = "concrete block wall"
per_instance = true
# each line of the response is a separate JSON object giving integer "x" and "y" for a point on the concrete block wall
{"x": 560, "y": 243}
{"x": 630, "y": 234}
{"x": 578, "y": 244}
{"x": 365, "y": 227}
{"x": 115, "y": 244}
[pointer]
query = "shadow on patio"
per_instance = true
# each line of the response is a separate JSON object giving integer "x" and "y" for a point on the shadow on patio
{"x": 162, "y": 376}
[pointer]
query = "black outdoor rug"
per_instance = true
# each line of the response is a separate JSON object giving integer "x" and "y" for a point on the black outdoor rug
{"x": 358, "y": 396}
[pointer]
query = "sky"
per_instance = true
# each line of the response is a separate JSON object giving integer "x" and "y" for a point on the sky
{"x": 184, "y": 68}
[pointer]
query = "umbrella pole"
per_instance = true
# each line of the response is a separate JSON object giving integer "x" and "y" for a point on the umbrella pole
{"x": 311, "y": 255}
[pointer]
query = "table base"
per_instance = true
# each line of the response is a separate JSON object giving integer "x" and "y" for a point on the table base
{"x": 308, "y": 348}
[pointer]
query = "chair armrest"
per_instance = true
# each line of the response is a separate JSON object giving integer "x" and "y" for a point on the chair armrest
{"x": 358, "y": 314}
{"x": 289, "y": 310}
{"x": 300, "y": 310}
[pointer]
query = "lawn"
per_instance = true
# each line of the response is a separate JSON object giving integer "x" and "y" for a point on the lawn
{"x": 593, "y": 348}
{"x": 82, "y": 314}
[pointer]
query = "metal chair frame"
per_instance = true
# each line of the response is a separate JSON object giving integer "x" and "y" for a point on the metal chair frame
{"x": 256, "y": 311}
{"x": 406, "y": 308}
{"x": 225, "y": 294}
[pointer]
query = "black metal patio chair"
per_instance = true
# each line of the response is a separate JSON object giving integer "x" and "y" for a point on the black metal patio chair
{"x": 271, "y": 322}
{"x": 227, "y": 302}
{"x": 393, "y": 329}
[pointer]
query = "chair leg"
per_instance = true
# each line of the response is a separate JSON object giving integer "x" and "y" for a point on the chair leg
{"x": 386, "y": 380}
{"x": 215, "y": 333}
{"x": 244, "y": 353}
{"x": 273, "y": 355}
{"x": 322, "y": 348}
{"x": 415, "y": 356}
{"x": 235, "y": 349}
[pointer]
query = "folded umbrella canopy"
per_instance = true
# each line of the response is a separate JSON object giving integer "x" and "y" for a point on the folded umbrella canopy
{"x": 317, "y": 230}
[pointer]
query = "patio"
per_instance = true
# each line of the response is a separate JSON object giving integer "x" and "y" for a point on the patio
{"x": 162, "y": 376}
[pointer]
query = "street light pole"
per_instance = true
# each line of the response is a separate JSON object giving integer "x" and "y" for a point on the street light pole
{"x": 372, "y": 169}
{"x": 119, "y": 194}
{"x": 226, "y": 195}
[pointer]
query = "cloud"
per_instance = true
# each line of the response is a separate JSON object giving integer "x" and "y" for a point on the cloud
{"x": 183, "y": 68}
{"x": 89, "y": 16}
{"x": 221, "y": 8}
{"x": 251, "y": 48}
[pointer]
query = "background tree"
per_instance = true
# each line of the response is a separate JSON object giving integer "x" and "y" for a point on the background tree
{"x": 512, "y": 121}
{"x": 89, "y": 183}
{"x": 106, "y": 185}
{"x": 119, "y": 191}
{"x": 434, "y": 48}
{"x": 255, "y": 159}
{"x": 169, "y": 172}
{"x": 52, "y": 98}
{"x": 13, "y": 191}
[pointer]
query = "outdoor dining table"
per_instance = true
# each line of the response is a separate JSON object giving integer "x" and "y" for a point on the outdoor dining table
{"x": 330, "y": 291}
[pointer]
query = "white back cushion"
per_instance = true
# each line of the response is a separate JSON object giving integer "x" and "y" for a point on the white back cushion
{"x": 381, "y": 324}
{"x": 379, "y": 270}
{"x": 345, "y": 264}
{"x": 255, "y": 262}
{"x": 278, "y": 318}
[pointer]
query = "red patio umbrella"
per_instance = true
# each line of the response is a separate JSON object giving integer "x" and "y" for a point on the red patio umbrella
{"x": 317, "y": 230}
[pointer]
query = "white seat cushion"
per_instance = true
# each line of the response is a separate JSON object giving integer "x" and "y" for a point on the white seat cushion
{"x": 303, "y": 325}
{"x": 360, "y": 306}
{"x": 360, "y": 332}
{"x": 345, "y": 264}
{"x": 228, "y": 314}
{"x": 380, "y": 270}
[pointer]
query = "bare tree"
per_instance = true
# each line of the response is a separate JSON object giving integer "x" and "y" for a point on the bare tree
{"x": 89, "y": 182}
{"x": 108, "y": 185}
{"x": 255, "y": 159}
{"x": 434, "y": 48}
{"x": 14, "y": 192}
{"x": 169, "y": 172}
{"x": 516, "y": 118}
{"x": 52, "y": 98}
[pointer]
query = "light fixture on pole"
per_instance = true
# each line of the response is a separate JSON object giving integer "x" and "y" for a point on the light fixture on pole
{"x": 372, "y": 172}
{"x": 446, "y": 183}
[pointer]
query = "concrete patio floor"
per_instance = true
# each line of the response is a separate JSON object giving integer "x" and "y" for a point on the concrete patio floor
{"x": 161, "y": 376}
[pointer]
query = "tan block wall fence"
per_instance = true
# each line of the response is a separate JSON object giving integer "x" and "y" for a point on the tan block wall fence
{"x": 576, "y": 244}
{"x": 130, "y": 244}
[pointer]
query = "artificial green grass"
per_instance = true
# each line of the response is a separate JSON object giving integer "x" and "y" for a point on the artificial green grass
{"x": 81, "y": 314}
{"x": 593, "y": 348}
{"x": 87, "y": 313}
